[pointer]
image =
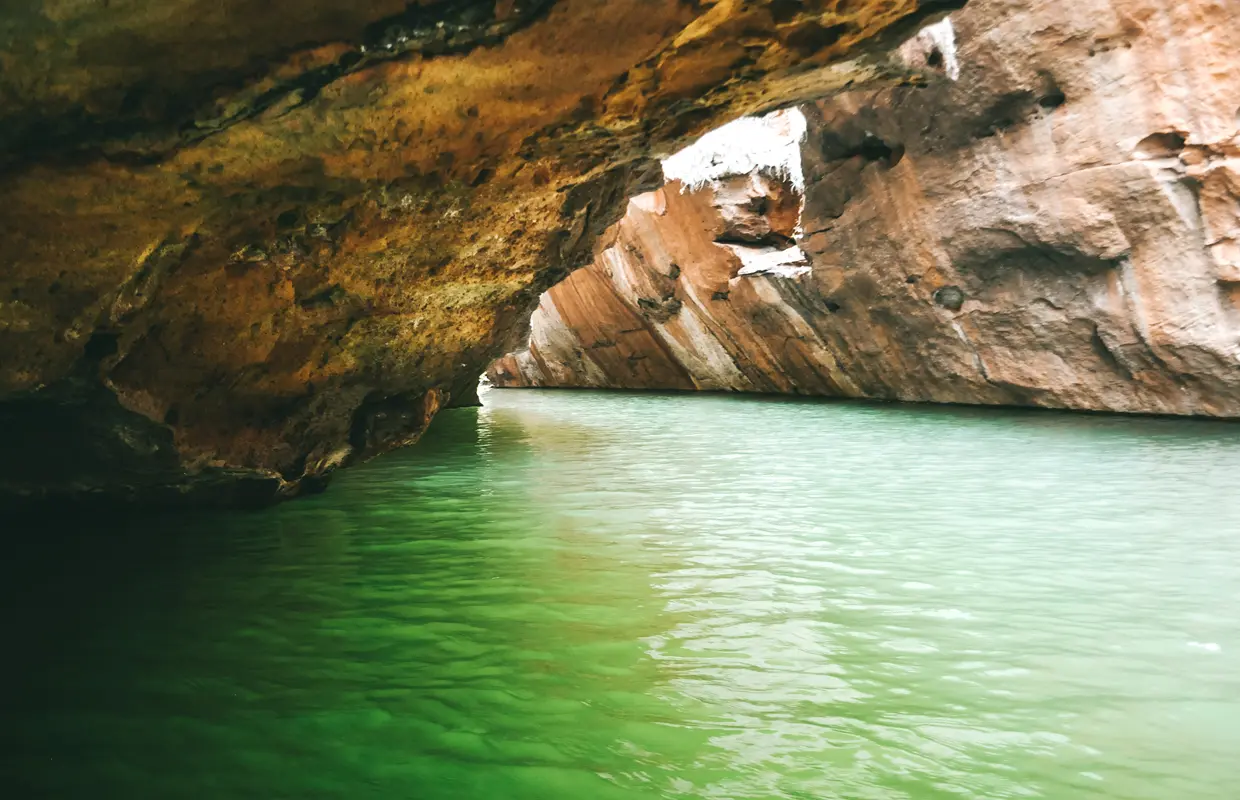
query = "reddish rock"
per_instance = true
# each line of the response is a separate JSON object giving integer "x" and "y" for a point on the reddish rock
{"x": 1058, "y": 225}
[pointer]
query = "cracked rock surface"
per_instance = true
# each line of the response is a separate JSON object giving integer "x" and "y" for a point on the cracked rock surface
{"x": 244, "y": 244}
{"x": 1055, "y": 223}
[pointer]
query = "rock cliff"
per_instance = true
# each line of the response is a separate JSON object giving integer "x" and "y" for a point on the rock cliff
{"x": 1055, "y": 223}
{"x": 685, "y": 294}
{"x": 245, "y": 244}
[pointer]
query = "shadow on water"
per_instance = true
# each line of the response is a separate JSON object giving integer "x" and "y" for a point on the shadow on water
{"x": 418, "y": 627}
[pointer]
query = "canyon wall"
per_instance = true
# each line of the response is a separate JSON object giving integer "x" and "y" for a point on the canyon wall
{"x": 242, "y": 245}
{"x": 685, "y": 294}
{"x": 1054, "y": 223}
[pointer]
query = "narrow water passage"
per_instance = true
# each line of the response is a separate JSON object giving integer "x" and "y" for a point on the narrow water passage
{"x": 572, "y": 595}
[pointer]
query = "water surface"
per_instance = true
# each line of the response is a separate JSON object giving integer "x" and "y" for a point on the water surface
{"x": 576, "y": 595}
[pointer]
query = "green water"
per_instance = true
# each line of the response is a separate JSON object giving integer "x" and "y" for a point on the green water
{"x": 568, "y": 595}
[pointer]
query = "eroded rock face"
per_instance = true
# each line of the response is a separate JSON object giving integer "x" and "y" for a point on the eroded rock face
{"x": 1057, "y": 226}
{"x": 244, "y": 244}
{"x": 685, "y": 295}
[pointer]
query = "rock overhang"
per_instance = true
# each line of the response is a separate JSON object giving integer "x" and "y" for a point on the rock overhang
{"x": 284, "y": 235}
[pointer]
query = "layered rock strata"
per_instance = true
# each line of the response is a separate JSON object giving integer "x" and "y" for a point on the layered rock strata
{"x": 1055, "y": 223}
{"x": 685, "y": 294}
{"x": 245, "y": 244}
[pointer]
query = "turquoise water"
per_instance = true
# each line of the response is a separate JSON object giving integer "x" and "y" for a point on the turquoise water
{"x": 573, "y": 595}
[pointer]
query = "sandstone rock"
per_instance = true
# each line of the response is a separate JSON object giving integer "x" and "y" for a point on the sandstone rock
{"x": 244, "y": 244}
{"x": 1055, "y": 222}
{"x": 666, "y": 306}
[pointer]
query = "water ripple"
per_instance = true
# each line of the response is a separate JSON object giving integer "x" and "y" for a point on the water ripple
{"x": 570, "y": 595}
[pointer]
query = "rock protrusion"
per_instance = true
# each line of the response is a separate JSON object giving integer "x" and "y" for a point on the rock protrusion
{"x": 259, "y": 236}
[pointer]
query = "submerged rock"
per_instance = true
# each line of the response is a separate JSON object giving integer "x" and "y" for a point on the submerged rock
{"x": 246, "y": 244}
{"x": 1054, "y": 222}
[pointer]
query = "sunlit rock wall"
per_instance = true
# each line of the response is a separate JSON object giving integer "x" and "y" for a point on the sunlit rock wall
{"x": 685, "y": 291}
{"x": 1054, "y": 222}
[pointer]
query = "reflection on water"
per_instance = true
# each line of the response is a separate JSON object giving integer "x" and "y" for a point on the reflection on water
{"x": 568, "y": 595}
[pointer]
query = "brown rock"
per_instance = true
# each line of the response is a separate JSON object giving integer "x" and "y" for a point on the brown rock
{"x": 665, "y": 306}
{"x": 1059, "y": 226}
{"x": 1064, "y": 202}
{"x": 244, "y": 244}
